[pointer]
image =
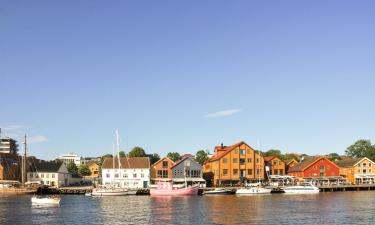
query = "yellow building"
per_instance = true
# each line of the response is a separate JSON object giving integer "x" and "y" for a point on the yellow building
{"x": 358, "y": 170}
{"x": 94, "y": 168}
{"x": 234, "y": 164}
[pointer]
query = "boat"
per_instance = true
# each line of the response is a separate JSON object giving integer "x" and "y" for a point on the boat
{"x": 218, "y": 191}
{"x": 49, "y": 200}
{"x": 167, "y": 189}
{"x": 304, "y": 188}
{"x": 253, "y": 190}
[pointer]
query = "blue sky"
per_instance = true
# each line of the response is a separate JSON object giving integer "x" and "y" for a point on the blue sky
{"x": 181, "y": 76}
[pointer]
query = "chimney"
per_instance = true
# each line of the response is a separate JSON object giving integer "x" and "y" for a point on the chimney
{"x": 222, "y": 145}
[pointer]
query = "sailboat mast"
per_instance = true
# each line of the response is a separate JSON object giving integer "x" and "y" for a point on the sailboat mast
{"x": 118, "y": 153}
{"x": 24, "y": 162}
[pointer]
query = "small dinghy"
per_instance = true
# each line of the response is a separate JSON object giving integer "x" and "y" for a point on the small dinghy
{"x": 53, "y": 200}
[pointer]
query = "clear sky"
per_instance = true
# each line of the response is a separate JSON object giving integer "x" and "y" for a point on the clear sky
{"x": 181, "y": 76}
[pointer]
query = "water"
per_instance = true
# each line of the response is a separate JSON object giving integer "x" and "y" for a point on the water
{"x": 322, "y": 208}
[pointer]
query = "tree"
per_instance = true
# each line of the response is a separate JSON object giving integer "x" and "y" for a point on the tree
{"x": 174, "y": 156}
{"x": 274, "y": 152}
{"x": 122, "y": 154}
{"x": 201, "y": 156}
{"x": 72, "y": 168}
{"x": 137, "y": 152}
{"x": 84, "y": 170}
{"x": 334, "y": 156}
{"x": 361, "y": 148}
{"x": 154, "y": 158}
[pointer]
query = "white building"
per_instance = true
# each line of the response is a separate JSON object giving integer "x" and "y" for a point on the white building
{"x": 131, "y": 173}
{"x": 67, "y": 158}
{"x": 48, "y": 173}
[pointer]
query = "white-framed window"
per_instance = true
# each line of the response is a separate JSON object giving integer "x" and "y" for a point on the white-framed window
{"x": 42, "y": 175}
{"x": 47, "y": 175}
{"x": 142, "y": 175}
{"x": 134, "y": 175}
{"x": 53, "y": 175}
{"x": 108, "y": 175}
{"x": 125, "y": 175}
{"x": 116, "y": 175}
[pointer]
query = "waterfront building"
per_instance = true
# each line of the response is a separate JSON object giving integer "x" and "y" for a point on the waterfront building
{"x": 234, "y": 164}
{"x": 357, "y": 170}
{"x": 94, "y": 169}
{"x": 10, "y": 166}
{"x": 290, "y": 164}
{"x": 127, "y": 172}
{"x": 70, "y": 157}
{"x": 162, "y": 170}
{"x": 50, "y": 173}
{"x": 189, "y": 168}
{"x": 316, "y": 168}
{"x": 8, "y": 145}
{"x": 275, "y": 165}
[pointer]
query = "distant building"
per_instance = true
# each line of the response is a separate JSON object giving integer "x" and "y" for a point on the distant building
{"x": 290, "y": 164}
{"x": 234, "y": 164}
{"x": 87, "y": 160}
{"x": 131, "y": 173}
{"x": 358, "y": 170}
{"x": 162, "y": 170}
{"x": 67, "y": 158}
{"x": 54, "y": 174}
{"x": 188, "y": 167}
{"x": 275, "y": 164}
{"x": 94, "y": 169}
{"x": 8, "y": 145}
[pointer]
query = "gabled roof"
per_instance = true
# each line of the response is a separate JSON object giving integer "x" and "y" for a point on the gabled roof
{"x": 307, "y": 162}
{"x": 182, "y": 160}
{"x": 44, "y": 166}
{"x": 350, "y": 162}
{"x": 226, "y": 150}
{"x": 269, "y": 158}
{"x": 162, "y": 160}
{"x": 127, "y": 163}
{"x": 287, "y": 162}
{"x": 91, "y": 163}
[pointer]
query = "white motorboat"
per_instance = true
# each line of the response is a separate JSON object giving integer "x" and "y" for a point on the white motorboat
{"x": 110, "y": 192}
{"x": 54, "y": 200}
{"x": 218, "y": 191}
{"x": 304, "y": 188}
{"x": 253, "y": 191}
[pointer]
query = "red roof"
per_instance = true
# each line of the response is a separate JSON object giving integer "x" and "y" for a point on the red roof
{"x": 269, "y": 158}
{"x": 226, "y": 150}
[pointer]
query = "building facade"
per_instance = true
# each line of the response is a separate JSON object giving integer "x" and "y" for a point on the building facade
{"x": 358, "y": 170}
{"x": 189, "y": 168}
{"x": 94, "y": 169}
{"x": 8, "y": 145}
{"x": 54, "y": 174}
{"x": 127, "y": 172}
{"x": 10, "y": 166}
{"x": 290, "y": 164}
{"x": 234, "y": 164}
{"x": 315, "y": 167}
{"x": 162, "y": 170}
{"x": 70, "y": 157}
{"x": 275, "y": 165}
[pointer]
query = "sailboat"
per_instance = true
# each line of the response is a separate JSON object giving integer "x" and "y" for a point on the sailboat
{"x": 255, "y": 190}
{"x": 113, "y": 190}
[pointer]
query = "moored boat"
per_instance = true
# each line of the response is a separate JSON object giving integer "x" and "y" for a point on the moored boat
{"x": 304, "y": 188}
{"x": 218, "y": 191}
{"x": 166, "y": 189}
{"x": 53, "y": 200}
{"x": 103, "y": 191}
{"x": 254, "y": 191}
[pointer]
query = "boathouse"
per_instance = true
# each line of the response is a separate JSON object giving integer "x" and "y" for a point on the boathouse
{"x": 233, "y": 165}
{"x": 162, "y": 170}
{"x": 357, "y": 170}
{"x": 189, "y": 168}
{"x": 50, "y": 173}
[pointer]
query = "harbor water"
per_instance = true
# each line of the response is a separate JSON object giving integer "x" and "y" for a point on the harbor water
{"x": 322, "y": 208}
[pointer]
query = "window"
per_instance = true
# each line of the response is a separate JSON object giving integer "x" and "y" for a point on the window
{"x": 165, "y": 164}
{"x": 134, "y": 175}
{"x": 160, "y": 173}
{"x": 242, "y": 152}
{"x": 322, "y": 174}
{"x": 258, "y": 171}
{"x": 31, "y": 175}
{"x": 142, "y": 175}
{"x": 275, "y": 163}
{"x": 235, "y": 160}
{"x": 364, "y": 171}
{"x": 47, "y": 175}
{"x": 225, "y": 171}
{"x": 369, "y": 164}
{"x": 242, "y": 161}
{"x": 250, "y": 172}
{"x": 257, "y": 160}
{"x": 165, "y": 173}
{"x": 42, "y": 175}
{"x": 249, "y": 160}
{"x": 116, "y": 175}
{"x": 235, "y": 171}
{"x": 274, "y": 172}
{"x": 281, "y": 172}
{"x": 363, "y": 164}
{"x": 108, "y": 175}
{"x": 225, "y": 160}
{"x": 321, "y": 167}
{"x": 125, "y": 175}
{"x": 53, "y": 175}
{"x": 36, "y": 175}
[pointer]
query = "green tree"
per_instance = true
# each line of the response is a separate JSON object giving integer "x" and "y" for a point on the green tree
{"x": 137, "y": 152}
{"x": 154, "y": 158}
{"x": 84, "y": 170}
{"x": 201, "y": 156}
{"x": 122, "y": 154}
{"x": 72, "y": 168}
{"x": 334, "y": 156}
{"x": 361, "y": 148}
{"x": 274, "y": 152}
{"x": 174, "y": 156}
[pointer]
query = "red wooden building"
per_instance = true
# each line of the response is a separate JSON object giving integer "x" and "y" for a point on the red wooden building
{"x": 315, "y": 167}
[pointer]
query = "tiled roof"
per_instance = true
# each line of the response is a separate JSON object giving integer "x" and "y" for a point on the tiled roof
{"x": 162, "y": 160}
{"x": 44, "y": 166}
{"x": 226, "y": 150}
{"x": 289, "y": 161}
{"x": 269, "y": 158}
{"x": 348, "y": 162}
{"x": 127, "y": 162}
{"x": 304, "y": 164}
{"x": 91, "y": 163}
{"x": 183, "y": 159}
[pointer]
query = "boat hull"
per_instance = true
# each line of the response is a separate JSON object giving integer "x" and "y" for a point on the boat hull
{"x": 53, "y": 201}
{"x": 253, "y": 191}
{"x": 175, "y": 192}
{"x": 301, "y": 190}
{"x": 109, "y": 193}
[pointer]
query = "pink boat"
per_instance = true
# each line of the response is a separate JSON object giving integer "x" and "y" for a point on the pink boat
{"x": 166, "y": 189}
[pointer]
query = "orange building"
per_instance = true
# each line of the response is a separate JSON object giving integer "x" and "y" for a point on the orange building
{"x": 290, "y": 164}
{"x": 162, "y": 170}
{"x": 233, "y": 164}
{"x": 358, "y": 170}
{"x": 275, "y": 164}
